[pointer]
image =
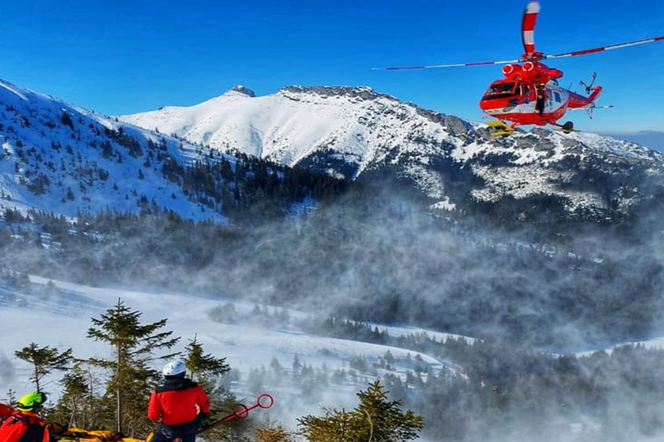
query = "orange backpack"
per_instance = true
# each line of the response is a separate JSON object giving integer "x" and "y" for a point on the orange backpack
{"x": 18, "y": 427}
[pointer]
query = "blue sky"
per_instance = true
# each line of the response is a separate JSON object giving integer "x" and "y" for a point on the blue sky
{"x": 119, "y": 57}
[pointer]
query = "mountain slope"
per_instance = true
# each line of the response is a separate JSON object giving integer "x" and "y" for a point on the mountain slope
{"x": 361, "y": 134}
{"x": 56, "y": 157}
{"x": 62, "y": 159}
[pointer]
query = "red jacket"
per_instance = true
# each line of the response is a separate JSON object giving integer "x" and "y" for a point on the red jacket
{"x": 24, "y": 426}
{"x": 178, "y": 401}
{"x": 5, "y": 410}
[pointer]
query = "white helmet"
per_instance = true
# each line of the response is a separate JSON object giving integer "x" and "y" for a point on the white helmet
{"x": 174, "y": 368}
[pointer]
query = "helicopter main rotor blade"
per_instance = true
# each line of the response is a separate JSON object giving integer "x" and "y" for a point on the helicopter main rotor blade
{"x": 528, "y": 31}
{"x": 606, "y": 48}
{"x": 437, "y": 66}
{"x": 528, "y": 28}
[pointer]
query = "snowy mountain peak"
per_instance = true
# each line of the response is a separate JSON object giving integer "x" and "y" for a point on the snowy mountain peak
{"x": 240, "y": 90}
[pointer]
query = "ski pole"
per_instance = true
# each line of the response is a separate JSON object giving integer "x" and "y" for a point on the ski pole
{"x": 241, "y": 411}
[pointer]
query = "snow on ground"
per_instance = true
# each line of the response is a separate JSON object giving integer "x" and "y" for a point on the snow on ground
{"x": 62, "y": 321}
{"x": 245, "y": 344}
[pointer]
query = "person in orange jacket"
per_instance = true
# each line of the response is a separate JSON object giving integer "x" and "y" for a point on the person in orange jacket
{"x": 23, "y": 424}
{"x": 179, "y": 403}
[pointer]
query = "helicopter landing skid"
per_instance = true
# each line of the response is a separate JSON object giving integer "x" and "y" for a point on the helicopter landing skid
{"x": 500, "y": 129}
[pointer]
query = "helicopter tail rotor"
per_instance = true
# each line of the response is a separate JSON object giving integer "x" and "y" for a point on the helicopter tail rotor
{"x": 589, "y": 87}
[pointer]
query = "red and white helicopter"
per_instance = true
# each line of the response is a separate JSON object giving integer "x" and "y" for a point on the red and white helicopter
{"x": 529, "y": 93}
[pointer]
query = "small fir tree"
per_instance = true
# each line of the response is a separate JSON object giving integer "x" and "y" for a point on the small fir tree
{"x": 133, "y": 344}
{"x": 272, "y": 433}
{"x": 201, "y": 365}
{"x": 336, "y": 426}
{"x": 73, "y": 406}
{"x": 66, "y": 119}
{"x": 44, "y": 360}
{"x": 11, "y": 396}
{"x": 374, "y": 419}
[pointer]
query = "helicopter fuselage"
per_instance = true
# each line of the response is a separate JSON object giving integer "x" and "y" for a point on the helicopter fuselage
{"x": 530, "y": 95}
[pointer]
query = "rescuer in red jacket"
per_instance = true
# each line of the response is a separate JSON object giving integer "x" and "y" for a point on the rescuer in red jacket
{"x": 23, "y": 424}
{"x": 180, "y": 403}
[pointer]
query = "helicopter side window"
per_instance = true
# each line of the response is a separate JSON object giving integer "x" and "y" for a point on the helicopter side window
{"x": 557, "y": 95}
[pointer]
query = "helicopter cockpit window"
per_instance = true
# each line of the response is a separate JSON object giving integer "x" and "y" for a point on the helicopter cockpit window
{"x": 501, "y": 90}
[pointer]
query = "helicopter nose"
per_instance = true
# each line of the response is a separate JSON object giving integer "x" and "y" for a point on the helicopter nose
{"x": 486, "y": 105}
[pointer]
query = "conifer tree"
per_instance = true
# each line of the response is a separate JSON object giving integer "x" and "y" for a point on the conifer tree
{"x": 44, "y": 360}
{"x": 75, "y": 391}
{"x": 66, "y": 119}
{"x": 11, "y": 396}
{"x": 272, "y": 433}
{"x": 297, "y": 366}
{"x": 202, "y": 365}
{"x": 383, "y": 419}
{"x": 133, "y": 344}
{"x": 374, "y": 419}
{"x": 336, "y": 426}
{"x": 276, "y": 367}
{"x": 76, "y": 403}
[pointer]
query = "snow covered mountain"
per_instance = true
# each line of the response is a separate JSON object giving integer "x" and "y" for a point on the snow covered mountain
{"x": 59, "y": 158}
{"x": 361, "y": 134}
{"x": 63, "y": 159}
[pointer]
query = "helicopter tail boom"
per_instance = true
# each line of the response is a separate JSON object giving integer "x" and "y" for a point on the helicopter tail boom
{"x": 577, "y": 101}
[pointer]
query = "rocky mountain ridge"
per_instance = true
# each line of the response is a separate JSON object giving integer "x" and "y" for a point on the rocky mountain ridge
{"x": 358, "y": 133}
